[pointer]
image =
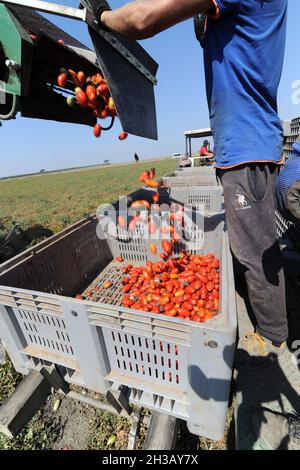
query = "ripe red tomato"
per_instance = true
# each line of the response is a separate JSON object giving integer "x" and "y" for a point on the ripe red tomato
{"x": 121, "y": 221}
{"x": 203, "y": 293}
{"x": 155, "y": 197}
{"x": 152, "y": 228}
{"x": 123, "y": 136}
{"x": 210, "y": 286}
{"x": 209, "y": 305}
{"x": 153, "y": 249}
{"x": 132, "y": 225}
{"x": 126, "y": 288}
{"x": 62, "y": 80}
{"x": 91, "y": 93}
{"x": 166, "y": 246}
{"x": 215, "y": 264}
{"x": 81, "y": 98}
{"x": 103, "y": 89}
{"x": 201, "y": 277}
{"x": 215, "y": 294}
{"x": 97, "y": 130}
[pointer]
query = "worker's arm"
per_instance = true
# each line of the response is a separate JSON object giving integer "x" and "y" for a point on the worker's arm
{"x": 142, "y": 19}
{"x": 207, "y": 153}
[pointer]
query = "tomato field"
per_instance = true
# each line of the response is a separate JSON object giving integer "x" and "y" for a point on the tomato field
{"x": 46, "y": 204}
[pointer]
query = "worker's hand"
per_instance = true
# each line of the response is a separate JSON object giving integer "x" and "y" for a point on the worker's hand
{"x": 97, "y": 7}
{"x": 199, "y": 27}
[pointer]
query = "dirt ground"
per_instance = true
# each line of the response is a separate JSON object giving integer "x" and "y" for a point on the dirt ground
{"x": 76, "y": 426}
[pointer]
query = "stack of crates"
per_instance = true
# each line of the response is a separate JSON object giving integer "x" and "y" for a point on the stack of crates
{"x": 170, "y": 365}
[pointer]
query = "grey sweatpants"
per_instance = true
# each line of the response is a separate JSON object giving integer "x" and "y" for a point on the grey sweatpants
{"x": 249, "y": 196}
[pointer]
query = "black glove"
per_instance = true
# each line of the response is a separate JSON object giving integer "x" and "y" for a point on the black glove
{"x": 97, "y": 7}
{"x": 199, "y": 27}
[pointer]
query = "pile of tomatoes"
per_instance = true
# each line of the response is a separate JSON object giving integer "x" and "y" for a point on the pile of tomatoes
{"x": 90, "y": 92}
{"x": 183, "y": 287}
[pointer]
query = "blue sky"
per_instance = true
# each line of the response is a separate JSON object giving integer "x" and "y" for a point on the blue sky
{"x": 29, "y": 145}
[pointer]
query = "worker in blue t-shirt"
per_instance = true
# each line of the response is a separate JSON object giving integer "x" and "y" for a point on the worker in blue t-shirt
{"x": 288, "y": 186}
{"x": 243, "y": 45}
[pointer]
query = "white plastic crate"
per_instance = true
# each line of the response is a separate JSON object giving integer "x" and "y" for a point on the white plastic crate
{"x": 171, "y": 365}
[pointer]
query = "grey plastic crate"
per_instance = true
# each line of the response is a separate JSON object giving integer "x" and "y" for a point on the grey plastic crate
{"x": 286, "y": 229}
{"x": 170, "y": 365}
{"x": 210, "y": 197}
{"x": 196, "y": 179}
{"x": 204, "y": 170}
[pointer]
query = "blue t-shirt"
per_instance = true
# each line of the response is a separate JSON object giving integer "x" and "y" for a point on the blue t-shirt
{"x": 289, "y": 174}
{"x": 244, "y": 48}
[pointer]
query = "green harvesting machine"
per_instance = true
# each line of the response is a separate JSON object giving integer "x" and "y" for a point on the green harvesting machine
{"x": 33, "y": 51}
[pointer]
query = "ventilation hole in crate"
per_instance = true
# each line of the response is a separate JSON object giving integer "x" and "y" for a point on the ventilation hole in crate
{"x": 58, "y": 335}
{"x": 26, "y": 327}
{"x": 148, "y": 357}
{"x": 71, "y": 349}
{"x": 126, "y": 340}
{"x": 122, "y": 351}
{"x": 137, "y": 369}
{"x": 163, "y": 375}
{"x": 162, "y": 361}
{"x": 116, "y": 350}
{"x": 118, "y": 362}
{"x": 48, "y": 342}
{"x": 132, "y": 339}
{"x": 128, "y": 353}
{"x": 155, "y": 359}
{"x": 124, "y": 364}
{"x": 153, "y": 345}
{"x": 40, "y": 340}
{"x": 44, "y": 342}
{"x": 142, "y": 357}
{"x": 176, "y": 365}
{"x": 156, "y": 373}
{"x": 149, "y": 371}
{"x": 170, "y": 376}
{"x": 53, "y": 321}
{"x": 169, "y": 363}
{"x": 25, "y": 315}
